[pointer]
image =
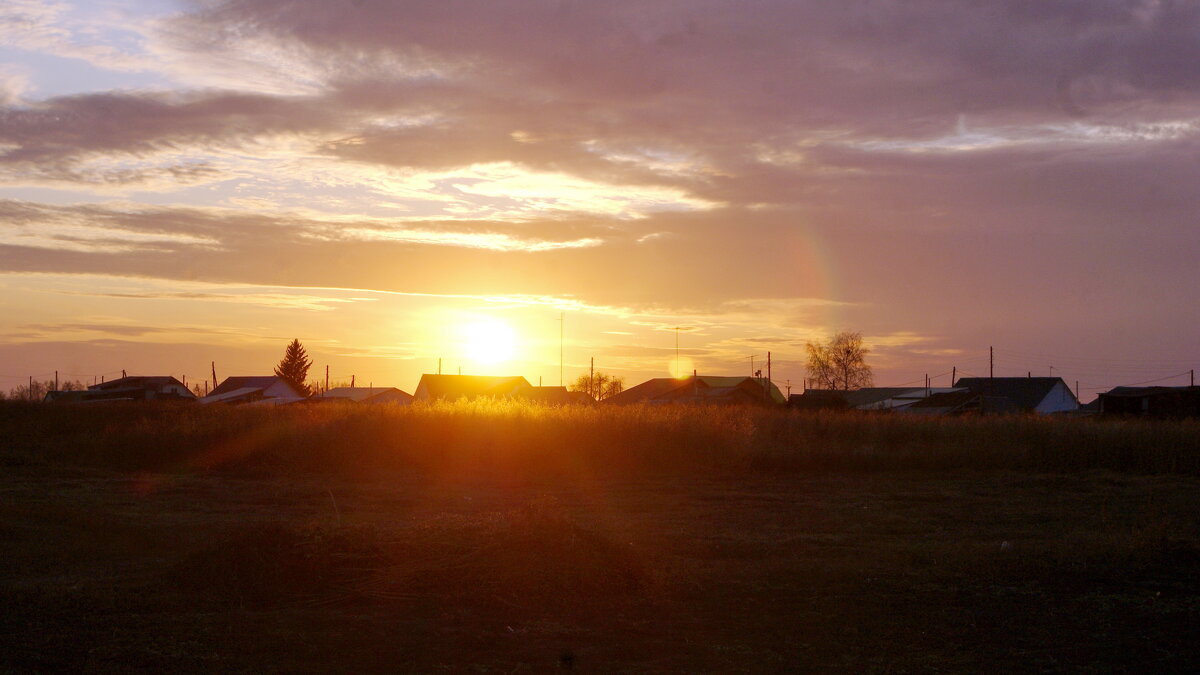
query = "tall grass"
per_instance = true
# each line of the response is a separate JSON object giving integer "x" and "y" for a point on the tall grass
{"x": 500, "y": 437}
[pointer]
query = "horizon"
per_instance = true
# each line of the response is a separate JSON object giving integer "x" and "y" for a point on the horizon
{"x": 395, "y": 185}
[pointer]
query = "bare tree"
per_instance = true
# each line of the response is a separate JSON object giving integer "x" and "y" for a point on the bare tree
{"x": 599, "y": 386}
{"x": 840, "y": 363}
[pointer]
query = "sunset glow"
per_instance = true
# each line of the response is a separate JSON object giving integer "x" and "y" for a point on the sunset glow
{"x": 183, "y": 183}
{"x": 489, "y": 341}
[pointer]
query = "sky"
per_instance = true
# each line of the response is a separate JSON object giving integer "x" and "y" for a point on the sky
{"x": 495, "y": 184}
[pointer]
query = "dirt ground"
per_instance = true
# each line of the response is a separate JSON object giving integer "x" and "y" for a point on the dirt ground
{"x": 921, "y": 572}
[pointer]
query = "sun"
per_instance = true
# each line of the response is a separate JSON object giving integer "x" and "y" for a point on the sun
{"x": 489, "y": 341}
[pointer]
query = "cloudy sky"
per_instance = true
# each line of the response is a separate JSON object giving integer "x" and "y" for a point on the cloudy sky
{"x": 396, "y": 182}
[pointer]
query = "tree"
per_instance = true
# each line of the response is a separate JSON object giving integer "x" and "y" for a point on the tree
{"x": 840, "y": 363}
{"x": 294, "y": 367}
{"x": 599, "y": 386}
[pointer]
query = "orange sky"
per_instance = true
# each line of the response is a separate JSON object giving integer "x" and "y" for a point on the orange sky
{"x": 184, "y": 182}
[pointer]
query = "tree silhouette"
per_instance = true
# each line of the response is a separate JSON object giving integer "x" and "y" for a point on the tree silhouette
{"x": 600, "y": 386}
{"x": 294, "y": 367}
{"x": 840, "y": 363}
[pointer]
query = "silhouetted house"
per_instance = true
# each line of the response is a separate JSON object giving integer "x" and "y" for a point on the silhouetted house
{"x": 557, "y": 396}
{"x": 470, "y": 387}
{"x": 701, "y": 390}
{"x": 867, "y": 398}
{"x": 952, "y": 402}
{"x": 131, "y": 388}
{"x": 365, "y": 395}
{"x": 1041, "y": 395}
{"x": 255, "y": 390}
{"x": 818, "y": 399}
{"x": 1151, "y": 401}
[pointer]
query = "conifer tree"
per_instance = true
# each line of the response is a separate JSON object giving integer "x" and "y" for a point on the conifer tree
{"x": 294, "y": 367}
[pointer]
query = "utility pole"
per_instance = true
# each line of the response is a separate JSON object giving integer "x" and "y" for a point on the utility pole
{"x": 56, "y": 380}
{"x": 439, "y": 366}
{"x": 991, "y": 362}
{"x": 206, "y": 387}
{"x": 789, "y": 389}
{"x": 591, "y": 378}
{"x": 352, "y": 377}
{"x": 214, "y": 371}
{"x": 1051, "y": 371}
{"x": 953, "y": 375}
{"x": 1192, "y": 374}
{"x": 768, "y": 369}
{"x": 1076, "y": 391}
{"x": 676, "y": 368}
{"x": 752, "y": 366}
{"x": 326, "y": 377}
{"x": 561, "y": 324}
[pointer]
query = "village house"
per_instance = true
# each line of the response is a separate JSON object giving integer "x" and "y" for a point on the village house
{"x": 254, "y": 390}
{"x": 703, "y": 389}
{"x": 373, "y": 395}
{"x": 1042, "y": 395}
{"x": 131, "y": 388}
{"x": 1151, "y": 401}
{"x": 470, "y": 387}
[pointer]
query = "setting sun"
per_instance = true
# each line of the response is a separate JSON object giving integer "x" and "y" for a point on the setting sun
{"x": 489, "y": 341}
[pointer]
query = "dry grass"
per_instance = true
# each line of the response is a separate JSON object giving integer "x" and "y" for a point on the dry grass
{"x": 499, "y": 437}
{"x": 484, "y": 538}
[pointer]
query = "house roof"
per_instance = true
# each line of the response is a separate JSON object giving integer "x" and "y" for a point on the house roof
{"x": 945, "y": 402}
{"x": 856, "y": 398}
{"x": 360, "y": 394}
{"x": 1137, "y": 392}
{"x": 136, "y": 381}
{"x": 231, "y": 395}
{"x": 256, "y": 382}
{"x": 454, "y": 387}
{"x": 1024, "y": 392}
{"x": 704, "y": 386}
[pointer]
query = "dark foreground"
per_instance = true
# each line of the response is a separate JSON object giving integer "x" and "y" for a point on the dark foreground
{"x": 894, "y": 572}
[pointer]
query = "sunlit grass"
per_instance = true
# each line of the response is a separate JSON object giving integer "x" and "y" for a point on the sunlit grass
{"x": 529, "y": 440}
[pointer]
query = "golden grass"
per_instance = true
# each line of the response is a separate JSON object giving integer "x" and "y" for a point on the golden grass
{"x": 500, "y": 436}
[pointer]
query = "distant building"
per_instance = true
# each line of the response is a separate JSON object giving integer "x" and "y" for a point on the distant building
{"x": 557, "y": 396}
{"x": 366, "y": 395}
{"x": 1151, "y": 401}
{"x": 867, "y": 398}
{"x": 132, "y": 388}
{"x": 702, "y": 390}
{"x": 470, "y": 387}
{"x": 1042, "y": 395}
{"x": 256, "y": 390}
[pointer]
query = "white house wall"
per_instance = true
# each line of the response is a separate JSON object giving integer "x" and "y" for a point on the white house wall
{"x": 1058, "y": 399}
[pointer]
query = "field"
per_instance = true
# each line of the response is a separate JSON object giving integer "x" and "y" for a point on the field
{"x": 501, "y": 538}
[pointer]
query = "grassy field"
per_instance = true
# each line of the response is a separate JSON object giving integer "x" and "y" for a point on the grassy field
{"x": 499, "y": 538}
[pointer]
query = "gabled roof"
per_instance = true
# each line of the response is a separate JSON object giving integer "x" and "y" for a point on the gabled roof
{"x": 454, "y": 387}
{"x": 1137, "y": 392}
{"x": 136, "y": 381}
{"x": 365, "y": 394}
{"x": 945, "y": 402}
{"x": 254, "y": 382}
{"x": 706, "y": 387}
{"x": 239, "y": 394}
{"x": 1024, "y": 392}
{"x": 856, "y": 398}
